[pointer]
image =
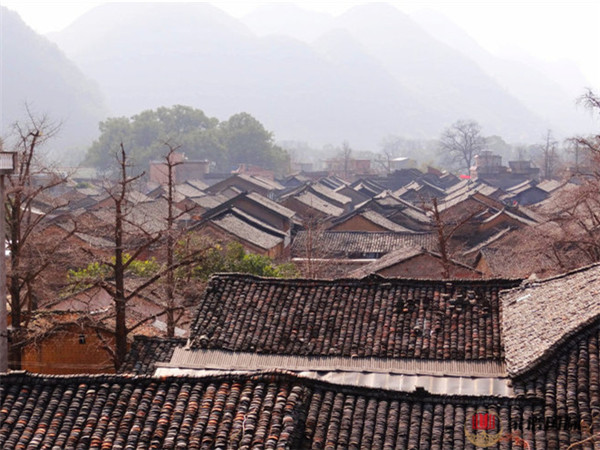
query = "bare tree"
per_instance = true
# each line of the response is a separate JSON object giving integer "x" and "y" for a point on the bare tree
{"x": 577, "y": 210}
{"x": 131, "y": 241}
{"x": 171, "y": 308}
{"x": 445, "y": 229}
{"x": 346, "y": 154}
{"x": 591, "y": 144}
{"x": 462, "y": 141}
{"x": 549, "y": 155}
{"x": 315, "y": 263}
{"x": 29, "y": 257}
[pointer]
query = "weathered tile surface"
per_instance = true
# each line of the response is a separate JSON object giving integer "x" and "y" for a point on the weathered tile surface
{"x": 145, "y": 352}
{"x": 379, "y": 317}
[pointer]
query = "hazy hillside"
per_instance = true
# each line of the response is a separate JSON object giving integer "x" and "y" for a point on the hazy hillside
{"x": 290, "y": 20}
{"x": 214, "y": 63}
{"x": 35, "y": 72}
{"x": 374, "y": 71}
{"x": 537, "y": 85}
{"x": 451, "y": 85}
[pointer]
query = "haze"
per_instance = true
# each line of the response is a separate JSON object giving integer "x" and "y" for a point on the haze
{"x": 369, "y": 70}
{"x": 550, "y": 31}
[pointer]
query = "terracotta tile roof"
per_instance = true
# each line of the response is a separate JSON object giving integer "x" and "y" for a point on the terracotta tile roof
{"x": 567, "y": 386}
{"x": 235, "y": 411}
{"x": 146, "y": 351}
{"x": 360, "y": 244}
{"x": 372, "y": 317}
{"x": 540, "y": 316}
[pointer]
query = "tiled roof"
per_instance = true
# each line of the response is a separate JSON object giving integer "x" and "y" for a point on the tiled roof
{"x": 270, "y": 204}
{"x": 567, "y": 385}
{"x": 189, "y": 191}
{"x": 330, "y": 194}
{"x": 384, "y": 222}
{"x": 372, "y": 317}
{"x": 209, "y": 201}
{"x": 264, "y": 183}
{"x": 393, "y": 257}
{"x": 198, "y": 184}
{"x": 248, "y": 228}
{"x": 520, "y": 187}
{"x": 550, "y": 185}
{"x": 542, "y": 315}
{"x": 311, "y": 200}
{"x": 511, "y": 215}
{"x": 374, "y": 217}
{"x": 396, "y": 257}
{"x": 528, "y": 250}
{"x": 354, "y": 244}
{"x": 367, "y": 186}
{"x": 493, "y": 238}
{"x": 145, "y": 352}
{"x": 234, "y": 411}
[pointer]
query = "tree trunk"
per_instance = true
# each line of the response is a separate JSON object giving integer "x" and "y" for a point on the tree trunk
{"x": 120, "y": 313}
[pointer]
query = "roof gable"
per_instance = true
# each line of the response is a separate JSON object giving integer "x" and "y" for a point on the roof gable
{"x": 540, "y": 316}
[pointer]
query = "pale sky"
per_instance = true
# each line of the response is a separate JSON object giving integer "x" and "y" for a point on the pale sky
{"x": 550, "y": 30}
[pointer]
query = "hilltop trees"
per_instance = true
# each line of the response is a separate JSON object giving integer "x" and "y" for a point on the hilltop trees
{"x": 240, "y": 139}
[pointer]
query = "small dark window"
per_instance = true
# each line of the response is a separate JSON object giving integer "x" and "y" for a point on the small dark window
{"x": 82, "y": 338}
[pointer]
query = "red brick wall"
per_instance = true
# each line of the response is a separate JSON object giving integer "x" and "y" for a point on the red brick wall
{"x": 62, "y": 353}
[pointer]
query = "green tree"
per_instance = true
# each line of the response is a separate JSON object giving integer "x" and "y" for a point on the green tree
{"x": 144, "y": 134}
{"x": 248, "y": 142}
{"x": 240, "y": 139}
{"x": 230, "y": 257}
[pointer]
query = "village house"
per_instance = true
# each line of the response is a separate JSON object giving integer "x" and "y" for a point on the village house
{"x": 238, "y": 183}
{"x": 372, "y": 363}
{"x": 231, "y": 224}
{"x": 183, "y": 169}
{"x": 415, "y": 262}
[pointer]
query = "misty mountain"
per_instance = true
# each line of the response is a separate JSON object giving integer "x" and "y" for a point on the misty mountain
{"x": 36, "y": 73}
{"x": 215, "y": 63}
{"x": 538, "y": 85}
{"x": 371, "y": 72}
{"x": 451, "y": 85}
{"x": 288, "y": 19}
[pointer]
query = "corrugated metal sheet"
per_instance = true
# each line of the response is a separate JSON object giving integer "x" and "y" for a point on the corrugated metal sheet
{"x": 438, "y": 385}
{"x": 219, "y": 359}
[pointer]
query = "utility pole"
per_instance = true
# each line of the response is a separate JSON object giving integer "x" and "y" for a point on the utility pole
{"x": 7, "y": 166}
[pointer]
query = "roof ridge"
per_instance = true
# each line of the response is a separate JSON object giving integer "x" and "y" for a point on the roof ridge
{"x": 568, "y": 340}
{"x": 526, "y": 283}
{"x": 350, "y": 281}
{"x": 268, "y": 376}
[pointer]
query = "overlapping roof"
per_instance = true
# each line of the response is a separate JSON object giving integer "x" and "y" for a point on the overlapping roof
{"x": 372, "y": 317}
